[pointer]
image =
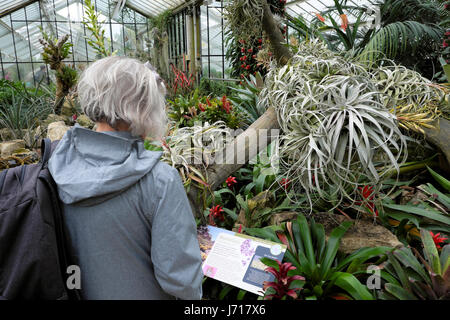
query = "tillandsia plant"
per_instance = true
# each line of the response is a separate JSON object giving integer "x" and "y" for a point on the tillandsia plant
{"x": 337, "y": 134}
{"x": 55, "y": 51}
{"x": 192, "y": 149}
{"x": 408, "y": 275}
{"x": 326, "y": 273}
{"x": 414, "y": 99}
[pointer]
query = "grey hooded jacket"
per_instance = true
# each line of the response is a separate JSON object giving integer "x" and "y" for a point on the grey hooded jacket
{"x": 130, "y": 227}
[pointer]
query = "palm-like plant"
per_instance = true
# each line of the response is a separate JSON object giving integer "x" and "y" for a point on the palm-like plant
{"x": 409, "y": 31}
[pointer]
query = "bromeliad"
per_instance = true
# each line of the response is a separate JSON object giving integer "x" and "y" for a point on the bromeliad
{"x": 231, "y": 181}
{"x": 282, "y": 283}
{"x": 368, "y": 196}
{"x": 216, "y": 212}
{"x": 437, "y": 239}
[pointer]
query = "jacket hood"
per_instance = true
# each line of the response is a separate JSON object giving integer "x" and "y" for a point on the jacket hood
{"x": 90, "y": 167}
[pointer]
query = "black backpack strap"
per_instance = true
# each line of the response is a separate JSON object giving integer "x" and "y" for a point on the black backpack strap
{"x": 47, "y": 148}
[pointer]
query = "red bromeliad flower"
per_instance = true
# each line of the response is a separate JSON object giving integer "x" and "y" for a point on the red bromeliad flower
{"x": 367, "y": 194}
{"x": 231, "y": 181}
{"x": 285, "y": 182}
{"x": 282, "y": 281}
{"x": 74, "y": 117}
{"x": 226, "y": 104}
{"x": 320, "y": 17}
{"x": 201, "y": 107}
{"x": 344, "y": 25}
{"x": 215, "y": 212}
{"x": 438, "y": 240}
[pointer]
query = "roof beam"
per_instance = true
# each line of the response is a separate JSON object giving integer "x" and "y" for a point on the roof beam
{"x": 17, "y": 7}
{"x": 16, "y": 34}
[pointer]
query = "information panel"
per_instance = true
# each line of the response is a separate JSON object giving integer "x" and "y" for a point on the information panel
{"x": 234, "y": 258}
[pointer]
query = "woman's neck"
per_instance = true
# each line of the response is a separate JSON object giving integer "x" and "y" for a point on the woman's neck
{"x": 103, "y": 126}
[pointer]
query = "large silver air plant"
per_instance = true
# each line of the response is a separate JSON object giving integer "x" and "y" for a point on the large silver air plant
{"x": 337, "y": 135}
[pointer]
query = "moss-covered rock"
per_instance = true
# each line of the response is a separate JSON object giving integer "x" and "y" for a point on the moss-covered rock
{"x": 84, "y": 121}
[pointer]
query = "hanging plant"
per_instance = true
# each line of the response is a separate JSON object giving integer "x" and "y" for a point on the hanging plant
{"x": 54, "y": 52}
{"x": 245, "y": 40}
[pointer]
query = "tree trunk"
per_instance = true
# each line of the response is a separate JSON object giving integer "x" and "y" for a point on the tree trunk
{"x": 281, "y": 52}
{"x": 243, "y": 148}
{"x": 439, "y": 137}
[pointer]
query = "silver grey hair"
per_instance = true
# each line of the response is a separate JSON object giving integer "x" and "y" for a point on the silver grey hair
{"x": 119, "y": 88}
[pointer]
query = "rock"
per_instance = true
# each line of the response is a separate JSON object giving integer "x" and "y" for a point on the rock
{"x": 56, "y": 130}
{"x": 37, "y": 136}
{"x": 6, "y": 134}
{"x": 84, "y": 121}
{"x": 68, "y": 109}
{"x": 261, "y": 200}
{"x": 55, "y": 118}
{"x": 9, "y": 147}
{"x": 363, "y": 233}
{"x": 278, "y": 218}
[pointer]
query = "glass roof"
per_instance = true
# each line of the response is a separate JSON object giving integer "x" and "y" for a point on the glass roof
{"x": 21, "y": 20}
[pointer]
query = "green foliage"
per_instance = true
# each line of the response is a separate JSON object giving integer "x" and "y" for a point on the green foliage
{"x": 327, "y": 274}
{"x": 215, "y": 88}
{"x": 160, "y": 21}
{"x": 21, "y": 108}
{"x": 245, "y": 98}
{"x": 54, "y": 53}
{"x": 410, "y": 32}
{"x": 427, "y": 207}
{"x": 244, "y": 37}
{"x": 187, "y": 110}
{"x": 55, "y": 50}
{"x": 92, "y": 23}
{"x": 408, "y": 275}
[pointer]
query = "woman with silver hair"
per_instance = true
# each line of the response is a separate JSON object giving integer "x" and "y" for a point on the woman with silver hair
{"x": 129, "y": 225}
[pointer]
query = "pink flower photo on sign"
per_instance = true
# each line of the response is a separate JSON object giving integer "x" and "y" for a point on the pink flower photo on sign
{"x": 209, "y": 271}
